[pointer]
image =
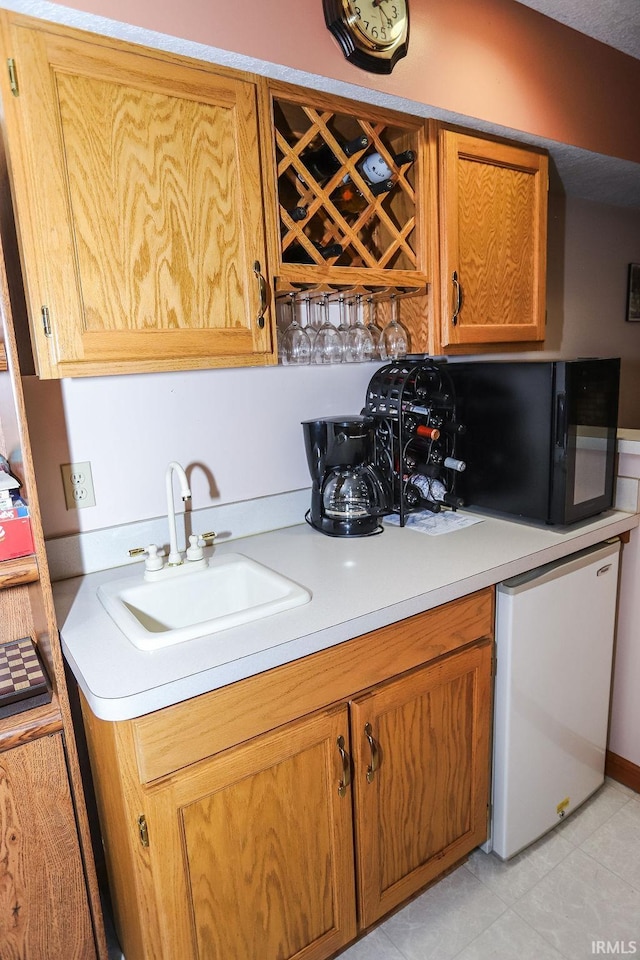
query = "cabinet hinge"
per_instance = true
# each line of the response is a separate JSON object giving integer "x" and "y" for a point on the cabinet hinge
{"x": 13, "y": 77}
{"x": 46, "y": 321}
{"x": 143, "y": 830}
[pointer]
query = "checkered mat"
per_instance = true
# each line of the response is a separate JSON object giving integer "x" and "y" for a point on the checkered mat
{"x": 23, "y": 683}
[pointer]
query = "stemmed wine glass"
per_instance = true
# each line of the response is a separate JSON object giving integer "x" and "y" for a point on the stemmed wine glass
{"x": 327, "y": 346}
{"x": 374, "y": 330}
{"x": 344, "y": 326}
{"x": 394, "y": 336}
{"x": 296, "y": 342}
{"x": 308, "y": 322}
{"x": 284, "y": 317}
{"x": 359, "y": 346}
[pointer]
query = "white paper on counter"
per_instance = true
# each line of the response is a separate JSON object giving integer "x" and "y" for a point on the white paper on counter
{"x": 434, "y": 524}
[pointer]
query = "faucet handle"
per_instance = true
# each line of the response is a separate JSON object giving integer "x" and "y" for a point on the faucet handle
{"x": 208, "y": 537}
{"x": 194, "y": 550}
{"x": 154, "y": 559}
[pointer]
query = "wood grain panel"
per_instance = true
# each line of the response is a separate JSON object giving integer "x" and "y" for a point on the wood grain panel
{"x": 251, "y": 706}
{"x": 141, "y": 232}
{"x": 260, "y": 841}
{"x": 13, "y": 573}
{"x": 154, "y": 216}
{"x": 41, "y": 876}
{"x": 16, "y": 619}
{"x": 120, "y": 803}
{"x": 493, "y": 227}
{"x": 36, "y": 598}
{"x": 426, "y": 805}
{"x": 30, "y": 725}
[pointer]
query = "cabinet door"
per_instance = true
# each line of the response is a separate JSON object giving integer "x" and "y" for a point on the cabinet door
{"x": 493, "y": 222}
{"x": 136, "y": 180}
{"x": 252, "y": 850}
{"x": 44, "y": 913}
{"x": 421, "y": 761}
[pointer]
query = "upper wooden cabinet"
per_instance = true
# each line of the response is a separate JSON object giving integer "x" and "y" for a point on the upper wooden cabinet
{"x": 492, "y": 210}
{"x": 350, "y": 206}
{"x": 137, "y": 188}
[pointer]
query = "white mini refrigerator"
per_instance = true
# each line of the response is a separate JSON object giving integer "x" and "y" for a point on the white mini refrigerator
{"x": 554, "y": 644}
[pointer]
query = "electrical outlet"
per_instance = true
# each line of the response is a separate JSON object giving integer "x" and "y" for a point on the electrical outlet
{"x": 78, "y": 485}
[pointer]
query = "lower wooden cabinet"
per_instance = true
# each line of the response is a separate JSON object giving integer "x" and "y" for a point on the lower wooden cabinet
{"x": 289, "y": 843}
{"x": 44, "y": 914}
{"x": 252, "y": 851}
{"x": 421, "y": 747}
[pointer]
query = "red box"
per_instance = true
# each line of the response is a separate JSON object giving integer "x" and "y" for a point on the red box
{"x": 16, "y": 539}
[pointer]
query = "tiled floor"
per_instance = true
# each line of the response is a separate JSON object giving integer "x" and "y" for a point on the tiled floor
{"x": 573, "y": 895}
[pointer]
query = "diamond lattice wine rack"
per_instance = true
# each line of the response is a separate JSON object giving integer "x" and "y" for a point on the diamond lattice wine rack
{"x": 351, "y": 194}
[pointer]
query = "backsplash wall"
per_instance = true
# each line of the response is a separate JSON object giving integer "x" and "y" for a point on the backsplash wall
{"x": 239, "y": 430}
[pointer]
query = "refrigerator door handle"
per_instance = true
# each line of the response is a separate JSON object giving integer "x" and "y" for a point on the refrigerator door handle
{"x": 604, "y": 569}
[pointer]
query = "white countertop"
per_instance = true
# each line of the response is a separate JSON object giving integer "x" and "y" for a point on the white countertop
{"x": 357, "y": 585}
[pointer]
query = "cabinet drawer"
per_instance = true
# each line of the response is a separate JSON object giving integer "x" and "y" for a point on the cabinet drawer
{"x": 242, "y": 710}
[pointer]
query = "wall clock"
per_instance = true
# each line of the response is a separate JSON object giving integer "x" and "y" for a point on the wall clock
{"x": 373, "y": 34}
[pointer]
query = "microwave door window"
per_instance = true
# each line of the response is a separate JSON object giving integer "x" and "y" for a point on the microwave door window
{"x": 592, "y": 401}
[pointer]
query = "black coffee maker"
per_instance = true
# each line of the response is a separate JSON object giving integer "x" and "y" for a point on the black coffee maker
{"x": 349, "y": 494}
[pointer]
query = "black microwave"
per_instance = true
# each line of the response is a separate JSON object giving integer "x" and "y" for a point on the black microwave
{"x": 540, "y": 441}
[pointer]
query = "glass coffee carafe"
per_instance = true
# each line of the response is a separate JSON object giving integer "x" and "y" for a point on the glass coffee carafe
{"x": 348, "y": 494}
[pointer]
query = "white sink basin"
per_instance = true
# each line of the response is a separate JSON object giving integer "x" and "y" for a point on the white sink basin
{"x": 230, "y": 591}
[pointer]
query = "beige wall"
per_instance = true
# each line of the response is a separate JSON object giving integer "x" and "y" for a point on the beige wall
{"x": 493, "y": 59}
{"x": 590, "y": 248}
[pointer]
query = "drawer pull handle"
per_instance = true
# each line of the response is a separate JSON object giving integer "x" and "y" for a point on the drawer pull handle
{"x": 262, "y": 289}
{"x": 375, "y": 753}
{"x": 456, "y": 287}
{"x": 346, "y": 768}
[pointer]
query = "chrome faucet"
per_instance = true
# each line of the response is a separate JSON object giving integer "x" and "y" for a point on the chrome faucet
{"x": 175, "y": 556}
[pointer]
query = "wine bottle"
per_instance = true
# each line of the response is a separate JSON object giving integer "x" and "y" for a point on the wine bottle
{"x": 437, "y": 399}
{"x": 298, "y": 213}
{"x": 436, "y": 458}
{"x": 415, "y": 493}
{"x": 426, "y": 432}
{"x": 296, "y": 253}
{"x": 375, "y": 169}
{"x": 412, "y": 426}
{"x": 348, "y": 199}
{"x": 322, "y": 163}
{"x": 435, "y": 490}
{"x": 452, "y": 427}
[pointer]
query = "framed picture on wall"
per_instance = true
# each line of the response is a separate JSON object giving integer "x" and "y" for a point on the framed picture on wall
{"x": 633, "y": 292}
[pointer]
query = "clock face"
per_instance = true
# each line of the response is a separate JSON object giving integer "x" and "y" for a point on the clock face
{"x": 373, "y": 34}
{"x": 382, "y": 23}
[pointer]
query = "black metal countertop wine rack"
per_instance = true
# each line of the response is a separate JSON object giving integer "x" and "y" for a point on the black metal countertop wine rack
{"x": 413, "y": 403}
